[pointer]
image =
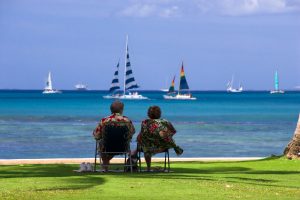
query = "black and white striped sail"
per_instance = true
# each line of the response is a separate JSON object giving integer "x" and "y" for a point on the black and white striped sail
{"x": 115, "y": 85}
{"x": 130, "y": 82}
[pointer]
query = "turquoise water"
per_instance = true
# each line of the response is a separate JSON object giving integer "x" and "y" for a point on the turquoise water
{"x": 33, "y": 125}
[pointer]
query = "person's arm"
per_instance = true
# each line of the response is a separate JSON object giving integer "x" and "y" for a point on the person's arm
{"x": 139, "y": 137}
{"x": 171, "y": 128}
{"x": 131, "y": 129}
{"x": 167, "y": 134}
{"x": 98, "y": 132}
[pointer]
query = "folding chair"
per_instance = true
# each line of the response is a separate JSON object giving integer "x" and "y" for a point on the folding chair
{"x": 167, "y": 158}
{"x": 114, "y": 142}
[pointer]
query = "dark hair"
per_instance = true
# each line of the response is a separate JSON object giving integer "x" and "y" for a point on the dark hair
{"x": 154, "y": 112}
{"x": 117, "y": 107}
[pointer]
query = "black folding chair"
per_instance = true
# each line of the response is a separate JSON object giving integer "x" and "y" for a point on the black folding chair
{"x": 114, "y": 142}
{"x": 167, "y": 158}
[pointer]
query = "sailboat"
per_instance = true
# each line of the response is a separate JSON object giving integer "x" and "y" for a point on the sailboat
{"x": 49, "y": 89}
{"x": 276, "y": 82}
{"x": 183, "y": 92}
{"x": 129, "y": 81}
{"x": 233, "y": 90}
{"x": 165, "y": 89}
{"x": 114, "y": 86}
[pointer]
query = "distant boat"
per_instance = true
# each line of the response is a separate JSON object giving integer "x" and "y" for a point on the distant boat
{"x": 49, "y": 89}
{"x": 81, "y": 87}
{"x": 129, "y": 82}
{"x": 165, "y": 89}
{"x": 183, "y": 91}
{"x": 230, "y": 87}
{"x": 276, "y": 85}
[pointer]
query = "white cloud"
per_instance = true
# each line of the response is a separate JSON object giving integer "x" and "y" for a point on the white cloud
{"x": 139, "y": 10}
{"x": 170, "y": 12}
{"x": 247, "y": 7}
{"x": 173, "y": 8}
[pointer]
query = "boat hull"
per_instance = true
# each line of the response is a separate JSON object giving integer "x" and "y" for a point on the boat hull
{"x": 111, "y": 96}
{"x": 51, "y": 92}
{"x": 234, "y": 91}
{"x": 134, "y": 96}
{"x": 179, "y": 97}
{"x": 277, "y": 92}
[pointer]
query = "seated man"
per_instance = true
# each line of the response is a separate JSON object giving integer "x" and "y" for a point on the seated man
{"x": 156, "y": 135}
{"x": 117, "y": 118}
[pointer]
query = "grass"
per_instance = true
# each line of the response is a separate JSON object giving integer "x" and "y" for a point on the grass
{"x": 272, "y": 178}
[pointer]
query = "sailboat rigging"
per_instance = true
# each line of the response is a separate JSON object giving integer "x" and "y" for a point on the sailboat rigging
{"x": 183, "y": 91}
{"x": 129, "y": 81}
{"x": 230, "y": 87}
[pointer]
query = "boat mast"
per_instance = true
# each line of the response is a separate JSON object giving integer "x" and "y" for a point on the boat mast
{"x": 126, "y": 48}
{"x": 276, "y": 81}
{"x": 49, "y": 82}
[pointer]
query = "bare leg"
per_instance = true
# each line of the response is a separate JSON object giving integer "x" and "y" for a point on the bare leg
{"x": 148, "y": 161}
{"x": 106, "y": 159}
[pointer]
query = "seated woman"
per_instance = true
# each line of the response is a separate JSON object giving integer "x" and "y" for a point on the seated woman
{"x": 156, "y": 135}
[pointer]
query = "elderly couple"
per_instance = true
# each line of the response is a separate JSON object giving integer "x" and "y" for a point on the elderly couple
{"x": 155, "y": 135}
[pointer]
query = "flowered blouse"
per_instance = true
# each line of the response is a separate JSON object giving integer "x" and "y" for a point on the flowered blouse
{"x": 116, "y": 118}
{"x": 156, "y": 134}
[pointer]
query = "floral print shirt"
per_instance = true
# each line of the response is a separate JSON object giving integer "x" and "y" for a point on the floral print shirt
{"x": 114, "y": 118}
{"x": 156, "y": 134}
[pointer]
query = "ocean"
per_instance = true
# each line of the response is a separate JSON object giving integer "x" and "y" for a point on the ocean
{"x": 217, "y": 124}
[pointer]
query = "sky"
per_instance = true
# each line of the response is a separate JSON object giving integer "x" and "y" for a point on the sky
{"x": 82, "y": 41}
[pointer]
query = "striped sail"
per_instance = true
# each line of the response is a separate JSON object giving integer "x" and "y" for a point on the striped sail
{"x": 129, "y": 78}
{"x": 172, "y": 87}
{"x": 115, "y": 82}
{"x": 183, "y": 83}
{"x": 276, "y": 81}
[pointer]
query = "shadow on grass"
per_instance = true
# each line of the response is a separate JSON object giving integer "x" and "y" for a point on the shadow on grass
{"x": 58, "y": 174}
{"x": 75, "y": 181}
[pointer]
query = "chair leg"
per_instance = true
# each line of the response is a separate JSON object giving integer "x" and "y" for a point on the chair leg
{"x": 168, "y": 161}
{"x": 165, "y": 166}
{"x": 96, "y": 153}
{"x": 125, "y": 155}
{"x": 140, "y": 162}
{"x": 130, "y": 161}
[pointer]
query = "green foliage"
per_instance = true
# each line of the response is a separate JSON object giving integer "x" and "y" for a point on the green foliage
{"x": 272, "y": 178}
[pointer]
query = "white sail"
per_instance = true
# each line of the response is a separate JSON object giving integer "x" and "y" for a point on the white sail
{"x": 49, "y": 82}
{"x": 49, "y": 89}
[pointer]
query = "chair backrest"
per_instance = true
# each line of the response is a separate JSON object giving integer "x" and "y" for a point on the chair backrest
{"x": 115, "y": 138}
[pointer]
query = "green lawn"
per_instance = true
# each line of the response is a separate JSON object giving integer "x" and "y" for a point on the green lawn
{"x": 273, "y": 178}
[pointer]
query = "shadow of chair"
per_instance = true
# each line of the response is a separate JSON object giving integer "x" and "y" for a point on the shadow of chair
{"x": 115, "y": 141}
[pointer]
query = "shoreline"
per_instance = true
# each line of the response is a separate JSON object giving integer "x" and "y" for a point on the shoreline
{"x": 120, "y": 160}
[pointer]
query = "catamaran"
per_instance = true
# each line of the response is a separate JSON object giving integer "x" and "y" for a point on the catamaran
{"x": 230, "y": 87}
{"x": 48, "y": 89}
{"x": 129, "y": 82}
{"x": 183, "y": 91}
{"x": 276, "y": 82}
